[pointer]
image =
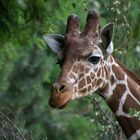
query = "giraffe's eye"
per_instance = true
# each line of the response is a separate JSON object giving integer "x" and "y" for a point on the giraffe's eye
{"x": 94, "y": 59}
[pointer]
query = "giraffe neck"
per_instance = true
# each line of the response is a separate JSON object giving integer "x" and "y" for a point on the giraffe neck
{"x": 122, "y": 93}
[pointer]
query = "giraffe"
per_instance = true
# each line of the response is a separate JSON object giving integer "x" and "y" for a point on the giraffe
{"x": 87, "y": 65}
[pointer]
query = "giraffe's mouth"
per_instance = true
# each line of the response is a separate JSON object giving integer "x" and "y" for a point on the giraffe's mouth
{"x": 63, "y": 105}
{"x": 60, "y": 100}
{"x": 56, "y": 105}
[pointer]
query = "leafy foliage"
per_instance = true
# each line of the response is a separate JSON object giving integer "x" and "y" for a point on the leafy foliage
{"x": 27, "y": 68}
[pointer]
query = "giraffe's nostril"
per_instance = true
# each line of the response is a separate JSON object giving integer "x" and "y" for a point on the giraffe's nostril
{"x": 58, "y": 87}
{"x": 62, "y": 88}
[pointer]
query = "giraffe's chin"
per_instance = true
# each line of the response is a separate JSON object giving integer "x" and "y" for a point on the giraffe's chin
{"x": 60, "y": 100}
{"x": 59, "y": 106}
{"x": 63, "y": 106}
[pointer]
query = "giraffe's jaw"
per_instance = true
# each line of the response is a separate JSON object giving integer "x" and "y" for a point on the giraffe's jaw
{"x": 60, "y": 100}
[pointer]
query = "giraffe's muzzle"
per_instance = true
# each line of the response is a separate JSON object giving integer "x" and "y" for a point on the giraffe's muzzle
{"x": 60, "y": 96}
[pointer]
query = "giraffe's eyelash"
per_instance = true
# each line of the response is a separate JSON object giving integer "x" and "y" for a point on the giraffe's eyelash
{"x": 94, "y": 59}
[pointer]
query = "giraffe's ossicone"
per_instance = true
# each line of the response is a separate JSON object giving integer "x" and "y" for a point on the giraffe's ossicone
{"x": 87, "y": 65}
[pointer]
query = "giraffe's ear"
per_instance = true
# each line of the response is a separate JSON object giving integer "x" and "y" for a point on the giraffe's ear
{"x": 55, "y": 42}
{"x": 107, "y": 35}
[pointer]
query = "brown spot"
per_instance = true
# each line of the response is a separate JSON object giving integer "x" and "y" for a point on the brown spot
{"x": 129, "y": 125}
{"x": 128, "y": 72}
{"x": 130, "y": 103}
{"x": 88, "y": 80}
{"x": 81, "y": 75}
{"x": 103, "y": 89}
{"x": 82, "y": 83}
{"x": 112, "y": 79}
{"x": 87, "y": 70}
{"x": 89, "y": 88}
{"x": 133, "y": 88}
{"x": 118, "y": 72}
{"x": 94, "y": 82}
{"x": 102, "y": 72}
{"x": 106, "y": 72}
{"x": 113, "y": 102}
{"x": 99, "y": 72}
{"x": 99, "y": 82}
{"x": 92, "y": 75}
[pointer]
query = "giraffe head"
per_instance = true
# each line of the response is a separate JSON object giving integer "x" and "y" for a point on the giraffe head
{"x": 82, "y": 58}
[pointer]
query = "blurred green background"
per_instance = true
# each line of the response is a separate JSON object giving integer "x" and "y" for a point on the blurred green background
{"x": 27, "y": 69}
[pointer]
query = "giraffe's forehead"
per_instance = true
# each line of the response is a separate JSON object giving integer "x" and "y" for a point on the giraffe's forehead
{"x": 83, "y": 47}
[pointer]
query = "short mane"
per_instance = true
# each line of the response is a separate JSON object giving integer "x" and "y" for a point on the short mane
{"x": 128, "y": 72}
